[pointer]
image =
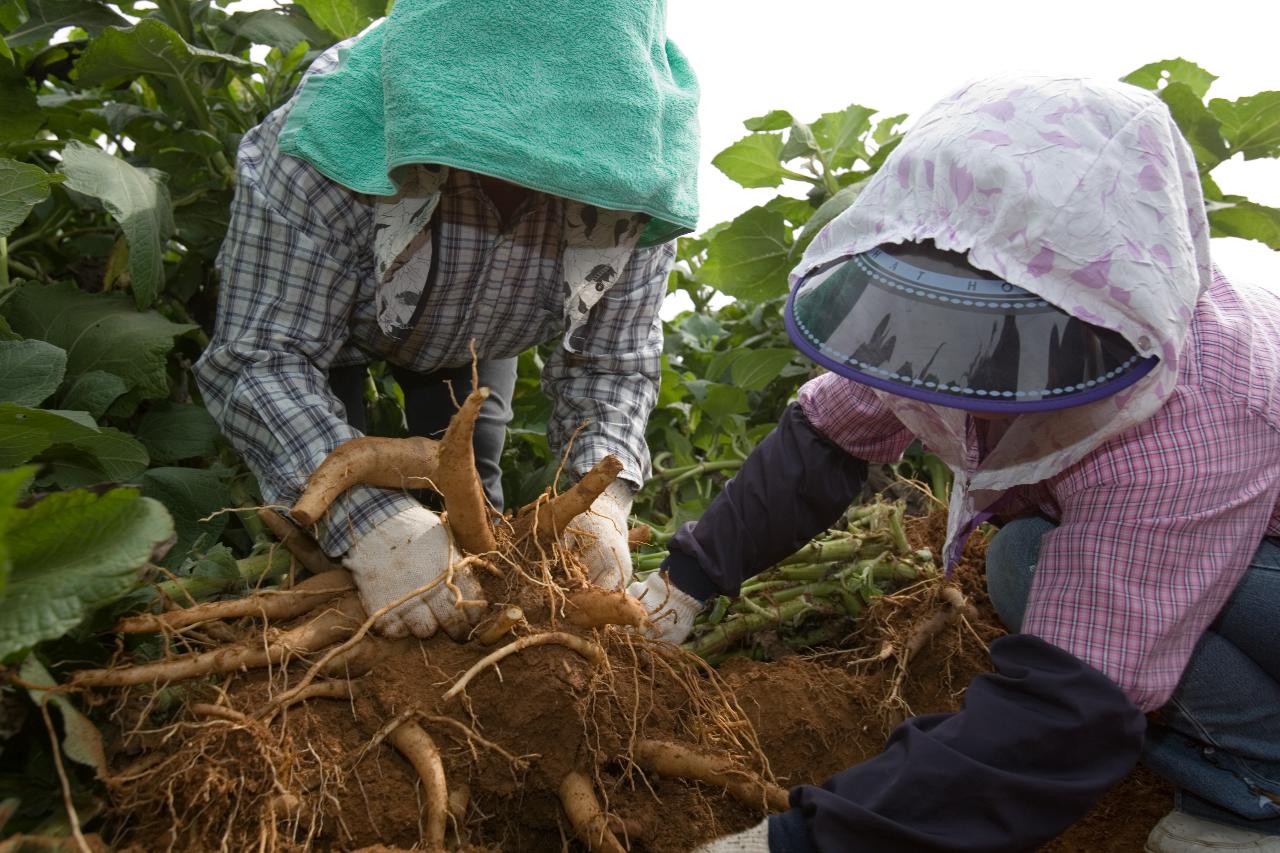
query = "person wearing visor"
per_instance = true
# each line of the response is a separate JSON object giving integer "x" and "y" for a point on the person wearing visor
{"x": 1026, "y": 287}
{"x": 463, "y": 177}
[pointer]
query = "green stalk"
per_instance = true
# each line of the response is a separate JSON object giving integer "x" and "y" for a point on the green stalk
{"x": 4, "y": 264}
{"x": 265, "y": 565}
{"x": 829, "y": 551}
{"x": 728, "y": 633}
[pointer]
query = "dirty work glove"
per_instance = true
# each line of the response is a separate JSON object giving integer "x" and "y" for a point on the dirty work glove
{"x": 671, "y": 610}
{"x": 602, "y": 534}
{"x": 409, "y": 550}
{"x": 753, "y": 840}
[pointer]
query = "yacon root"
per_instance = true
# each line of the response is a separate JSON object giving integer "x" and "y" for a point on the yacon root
{"x": 672, "y": 759}
{"x": 327, "y": 628}
{"x": 586, "y": 648}
{"x": 586, "y": 816}
{"x": 276, "y": 604}
{"x": 594, "y": 607}
{"x": 498, "y": 625}
{"x": 448, "y": 466}
{"x": 417, "y": 746}
{"x": 545, "y": 521}
{"x": 297, "y": 542}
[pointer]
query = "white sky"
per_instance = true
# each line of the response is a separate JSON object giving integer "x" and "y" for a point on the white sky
{"x": 815, "y": 56}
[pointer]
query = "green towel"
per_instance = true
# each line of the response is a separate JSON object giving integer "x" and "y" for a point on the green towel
{"x": 588, "y": 101}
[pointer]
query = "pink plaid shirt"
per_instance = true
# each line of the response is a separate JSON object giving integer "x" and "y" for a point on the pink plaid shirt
{"x": 1157, "y": 525}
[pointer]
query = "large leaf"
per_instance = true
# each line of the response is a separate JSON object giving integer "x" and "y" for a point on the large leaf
{"x": 277, "y": 28}
{"x": 830, "y": 209}
{"x": 99, "y": 331}
{"x": 22, "y": 187}
{"x": 73, "y": 552}
{"x": 750, "y": 259}
{"x": 840, "y": 135}
{"x": 772, "y": 120}
{"x": 138, "y": 200}
{"x": 753, "y": 161}
{"x": 758, "y": 367}
{"x": 18, "y": 106}
{"x": 12, "y": 484}
{"x": 1241, "y": 218}
{"x": 1156, "y": 74}
{"x": 81, "y": 741}
{"x": 344, "y": 18}
{"x": 93, "y": 392}
{"x": 173, "y": 432}
{"x": 190, "y": 495}
{"x": 1201, "y": 128}
{"x": 46, "y": 17}
{"x": 1251, "y": 124}
{"x": 85, "y": 452}
{"x": 30, "y": 371}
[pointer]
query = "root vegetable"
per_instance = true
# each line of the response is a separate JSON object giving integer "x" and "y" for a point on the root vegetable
{"x": 327, "y": 628}
{"x": 221, "y": 712}
{"x": 297, "y": 542}
{"x": 641, "y": 534}
{"x": 272, "y": 604}
{"x": 585, "y": 815}
{"x": 586, "y": 648}
{"x": 418, "y": 747}
{"x": 545, "y": 521}
{"x": 499, "y": 625}
{"x": 672, "y": 759}
{"x": 595, "y": 607}
{"x": 458, "y": 482}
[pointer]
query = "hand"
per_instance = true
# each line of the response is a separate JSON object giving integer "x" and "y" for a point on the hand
{"x": 602, "y": 535}
{"x": 671, "y": 610}
{"x": 753, "y": 840}
{"x": 409, "y": 550}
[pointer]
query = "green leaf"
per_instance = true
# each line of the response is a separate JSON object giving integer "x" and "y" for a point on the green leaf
{"x": 281, "y": 29}
{"x": 839, "y": 135}
{"x": 800, "y": 143}
{"x": 18, "y": 105}
{"x": 797, "y": 211}
{"x": 12, "y": 485}
{"x": 1201, "y": 128}
{"x": 84, "y": 452}
{"x": 22, "y": 187}
{"x": 139, "y": 201}
{"x": 73, "y": 552}
{"x": 1248, "y": 220}
{"x": 189, "y": 494}
{"x": 758, "y": 367}
{"x": 750, "y": 259}
{"x": 753, "y": 161}
{"x": 99, "y": 331}
{"x": 93, "y": 392}
{"x": 829, "y": 210}
{"x": 717, "y": 400}
{"x": 172, "y": 432}
{"x": 887, "y": 128}
{"x": 46, "y": 17}
{"x": 81, "y": 741}
{"x": 30, "y": 371}
{"x": 344, "y": 18}
{"x": 1153, "y": 75}
{"x": 772, "y": 120}
{"x": 1251, "y": 124}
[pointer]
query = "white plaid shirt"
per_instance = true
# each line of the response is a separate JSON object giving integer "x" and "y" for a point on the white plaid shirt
{"x": 298, "y": 298}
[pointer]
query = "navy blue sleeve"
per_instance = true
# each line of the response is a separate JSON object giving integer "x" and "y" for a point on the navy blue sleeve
{"x": 1038, "y": 742}
{"x": 793, "y": 486}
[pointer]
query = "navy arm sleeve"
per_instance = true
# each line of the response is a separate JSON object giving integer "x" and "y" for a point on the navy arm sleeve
{"x": 1038, "y": 742}
{"x": 793, "y": 486}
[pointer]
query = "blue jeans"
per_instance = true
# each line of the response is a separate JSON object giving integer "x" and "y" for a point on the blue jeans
{"x": 1218, "y": 737}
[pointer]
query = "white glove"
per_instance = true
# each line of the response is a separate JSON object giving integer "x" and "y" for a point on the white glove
{"x": 753, "y": 840}
{"x": 409, "y": 550}
{"x": 602, "y": 535}
{"x": 671, "y": 610}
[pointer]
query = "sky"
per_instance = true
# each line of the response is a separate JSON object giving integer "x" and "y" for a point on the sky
{"x": 815, "y": 56}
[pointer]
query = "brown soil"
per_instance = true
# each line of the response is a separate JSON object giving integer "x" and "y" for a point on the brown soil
{"x": 203, "y": 783}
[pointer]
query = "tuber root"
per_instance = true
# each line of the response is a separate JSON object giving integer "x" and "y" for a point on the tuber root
{"x": 546, "y": 520}
{"x": 672, "y": 759}
{"x": 271, "y": 604}
{"x": 595, "y": 607}
{"x": 297, "y": 542}
{"x": 585, "y": 815}
{"x": 498, "y": 625}
{"x": 641, "y": 534}
{"x": 586, "y": 648}
{"x": 417, "y": 746}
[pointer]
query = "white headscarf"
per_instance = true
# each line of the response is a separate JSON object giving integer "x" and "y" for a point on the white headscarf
{"x": 1081, "y": 191}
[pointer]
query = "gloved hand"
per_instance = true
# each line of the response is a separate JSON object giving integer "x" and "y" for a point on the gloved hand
{"x": 671, "y": 610}
{"x": 602, "y": 534}
{"x": 753, "y": 840}
{"x": 409, "y": 550}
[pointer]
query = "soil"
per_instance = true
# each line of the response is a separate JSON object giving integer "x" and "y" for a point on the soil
{"x": 203, "y": 783}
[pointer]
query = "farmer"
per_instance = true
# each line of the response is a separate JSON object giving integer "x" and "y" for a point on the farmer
{"x": 1026, "y": 287}
{"x": 465, "y": 172}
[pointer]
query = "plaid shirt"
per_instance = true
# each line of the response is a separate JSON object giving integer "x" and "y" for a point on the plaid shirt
{"x": 1157, "y": 525}
{"x": 298, "y": 298}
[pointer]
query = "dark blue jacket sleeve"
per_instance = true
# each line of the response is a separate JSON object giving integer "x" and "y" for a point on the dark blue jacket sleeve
{"x": 793, "y": 486}
{"x": 1038, "y": 742}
